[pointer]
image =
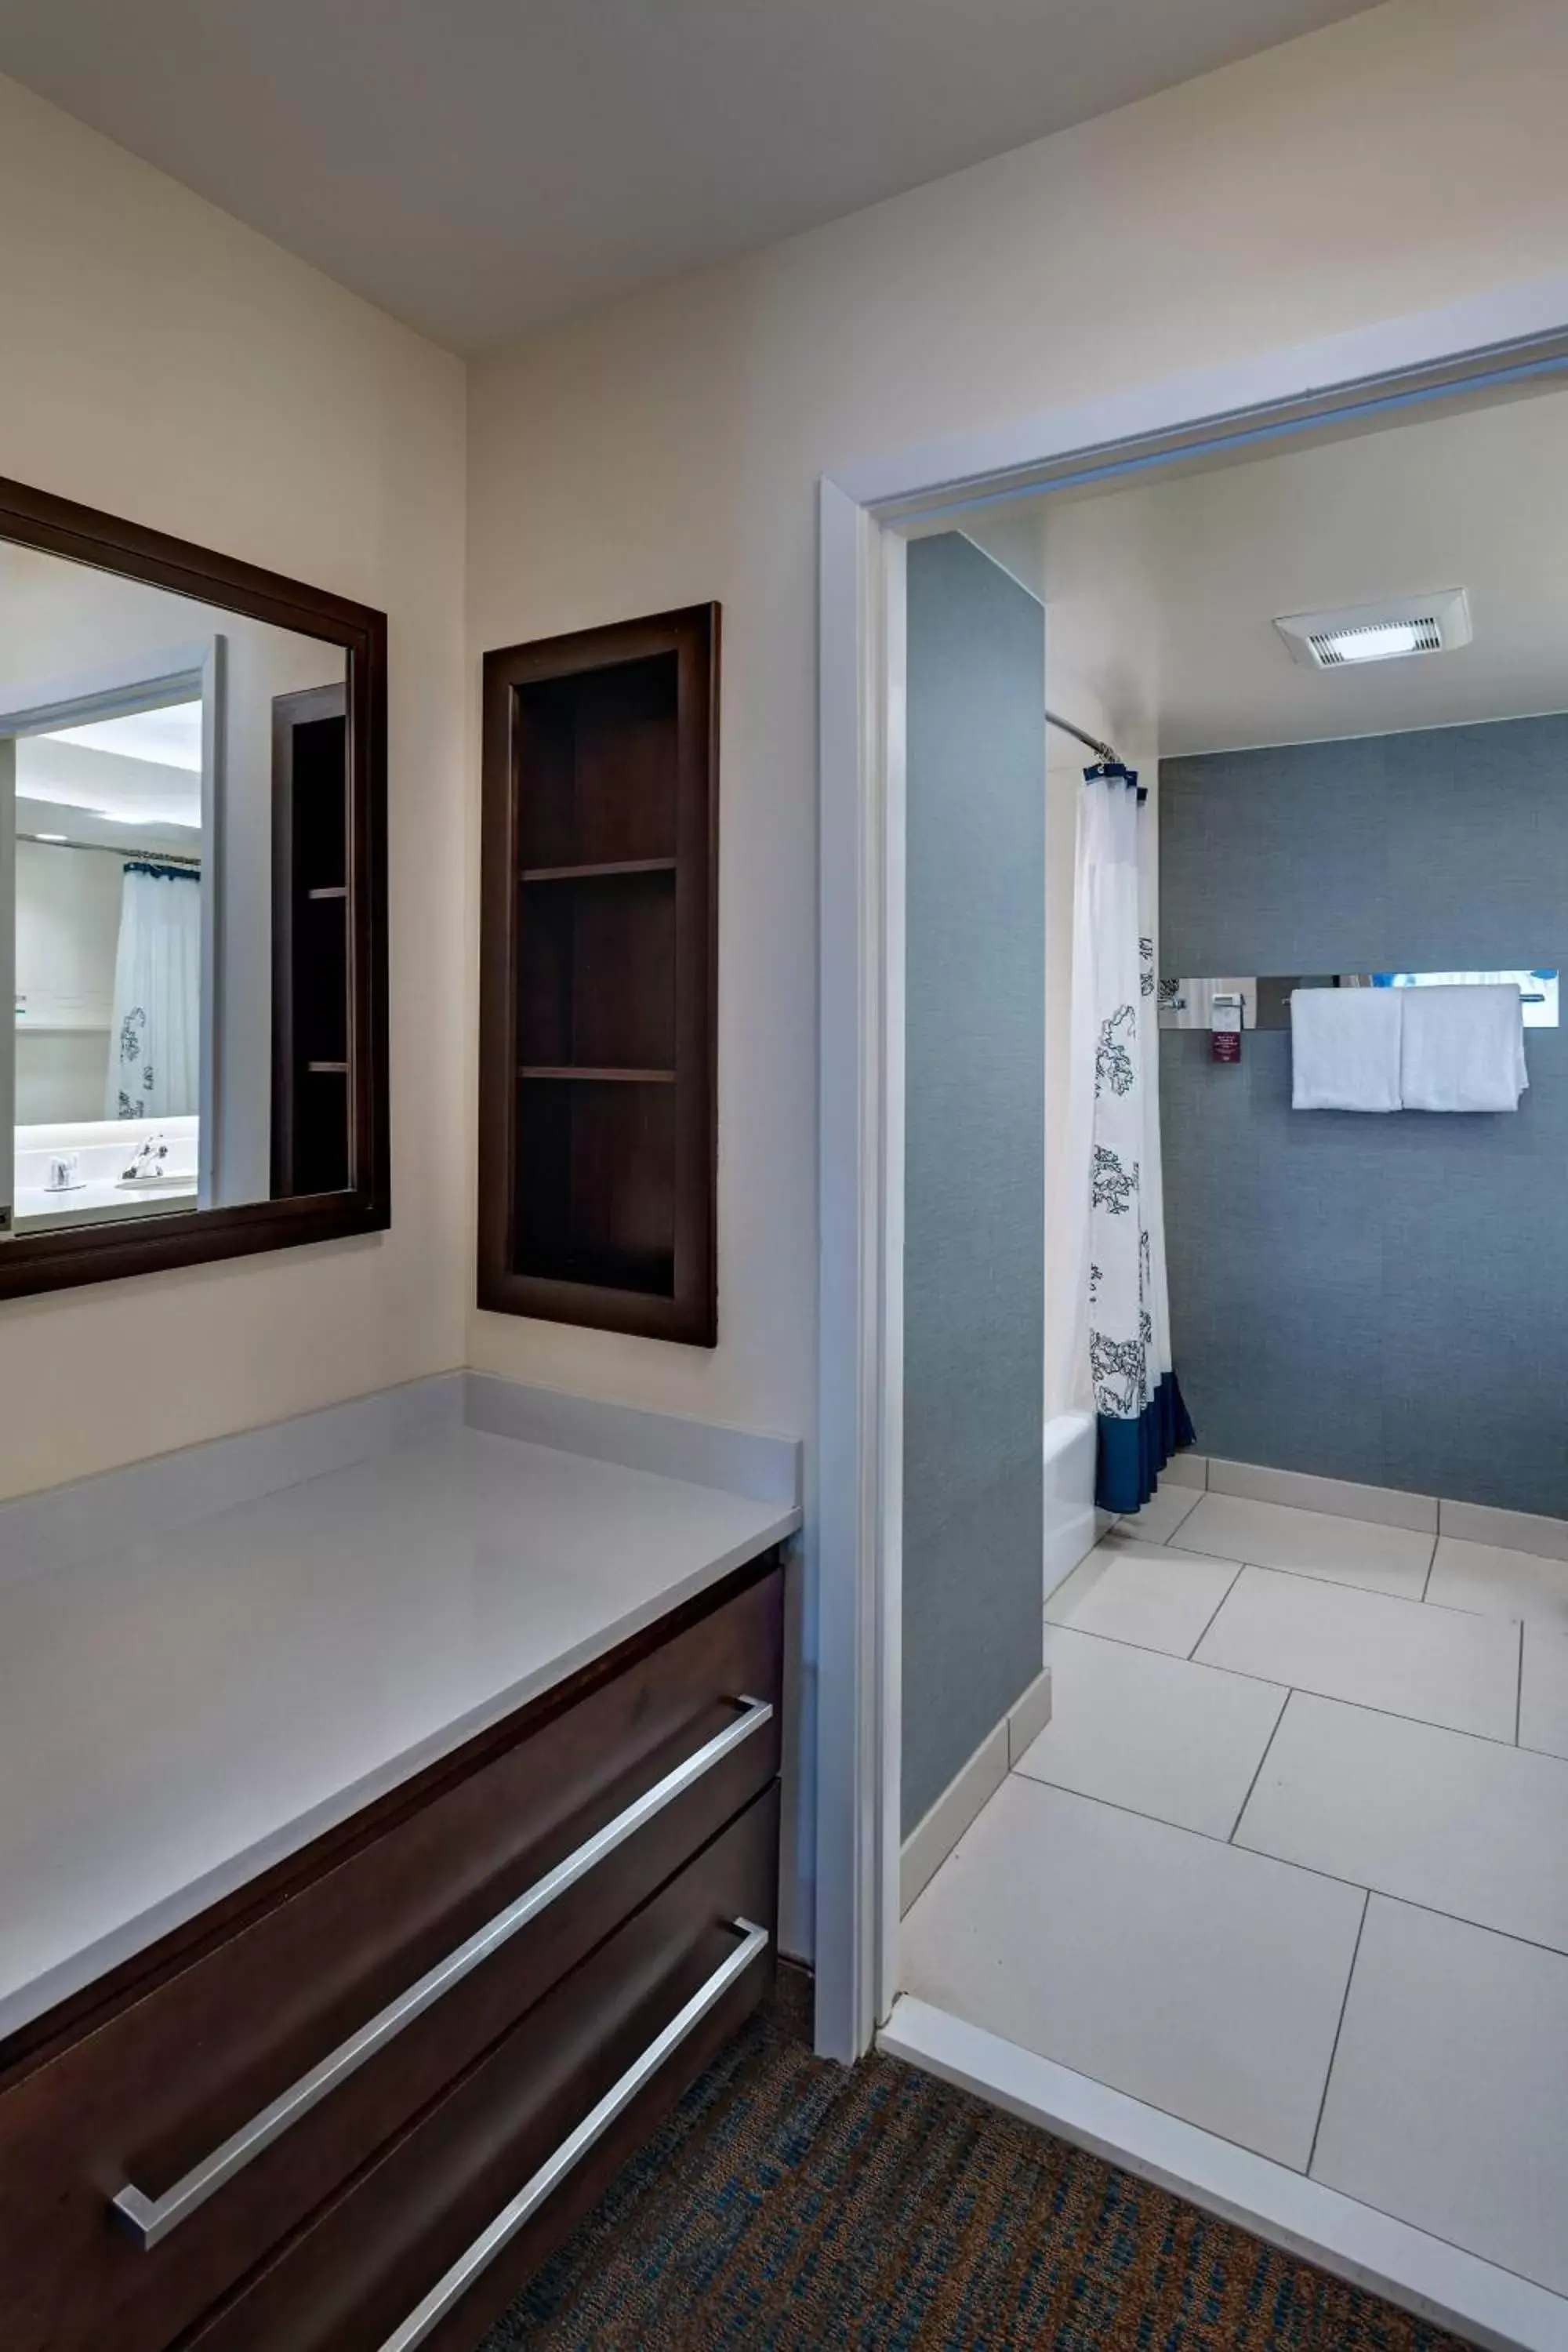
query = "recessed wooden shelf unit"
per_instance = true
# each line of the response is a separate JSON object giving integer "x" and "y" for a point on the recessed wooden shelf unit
{"x": 598, "y": 938}
{"x": 310, "y": 942}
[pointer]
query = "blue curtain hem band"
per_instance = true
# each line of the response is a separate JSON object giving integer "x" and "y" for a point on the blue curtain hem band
{"x": 1131, "y": 1454}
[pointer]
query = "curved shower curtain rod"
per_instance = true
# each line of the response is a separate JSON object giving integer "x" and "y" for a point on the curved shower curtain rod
{"x": 1092, "y": 741}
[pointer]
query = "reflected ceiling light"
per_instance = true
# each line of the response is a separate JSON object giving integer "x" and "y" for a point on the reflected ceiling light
{"x": 1392, "y": 631}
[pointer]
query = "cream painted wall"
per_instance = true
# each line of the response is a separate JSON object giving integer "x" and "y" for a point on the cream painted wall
{"x": 662, "y": 451}
{"x": 170, "y": 365}
{"x": 666, "y": 449}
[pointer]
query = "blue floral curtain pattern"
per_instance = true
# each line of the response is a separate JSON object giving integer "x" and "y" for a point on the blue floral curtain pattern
{"x": 1141, "y": 1417}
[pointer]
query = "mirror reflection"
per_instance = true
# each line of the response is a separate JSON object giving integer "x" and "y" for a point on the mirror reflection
{"x": 174, "y": 902}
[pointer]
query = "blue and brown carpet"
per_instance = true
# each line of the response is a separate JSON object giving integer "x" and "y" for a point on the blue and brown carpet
{"x": 794, "y": 2206}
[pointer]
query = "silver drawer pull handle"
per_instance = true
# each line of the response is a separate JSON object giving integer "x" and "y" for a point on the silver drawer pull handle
{"x": 449, "y": 2290}
{"x": 150, "y": 2218}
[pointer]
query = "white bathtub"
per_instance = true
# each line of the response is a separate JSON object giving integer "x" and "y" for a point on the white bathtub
{"x": 1070, "y": 1519}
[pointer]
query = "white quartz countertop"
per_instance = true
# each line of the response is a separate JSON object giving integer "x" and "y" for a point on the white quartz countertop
{"x": 99, "y": 1200}
{"x": 177, "y": 1715}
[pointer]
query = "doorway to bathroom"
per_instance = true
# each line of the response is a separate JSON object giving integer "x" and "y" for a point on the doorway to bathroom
{"x": 1275, "y": 1896}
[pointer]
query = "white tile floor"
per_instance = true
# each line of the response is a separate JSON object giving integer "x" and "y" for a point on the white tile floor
{"x": 1200, "y": 1733}
{"x": 1137, "y": 1592}
{"x": 1309, "y": 1543}
{"x": 1543, "y": 1692}
{"x": 1464, "y": 1826}
{"x": 1162, "y": 1513}
{"x": 1441, "y": 1665}
{"x": 1200, "y": 1949}
{"x": 1446, "y": 2100}
{"x": 1502, "y": 1583}
{"x": 1291, "y": 1861}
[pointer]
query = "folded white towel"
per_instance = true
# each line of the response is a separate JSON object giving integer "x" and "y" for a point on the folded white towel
{"x": 1345, "y": 1049}
{"x": 1463, "y": 1048}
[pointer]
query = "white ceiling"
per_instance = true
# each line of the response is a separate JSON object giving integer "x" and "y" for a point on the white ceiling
{"x": 481, "y": 166}
{"x": 1161, "y": 600}
{"x": 104, "y": 777}
{"x": 171, "y": 735}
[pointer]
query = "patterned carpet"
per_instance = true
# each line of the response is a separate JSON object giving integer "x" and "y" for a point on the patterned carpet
{"x": 793, "y": 2205}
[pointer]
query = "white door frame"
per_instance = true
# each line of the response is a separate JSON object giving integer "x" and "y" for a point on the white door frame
{"x": 1492, "y": 338}
{"x": 145, "y": 681}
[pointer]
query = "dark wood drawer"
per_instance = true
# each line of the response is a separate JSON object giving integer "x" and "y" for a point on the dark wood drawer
{"x": 354, "y": 2278}
{"x": 152, "y": 2090}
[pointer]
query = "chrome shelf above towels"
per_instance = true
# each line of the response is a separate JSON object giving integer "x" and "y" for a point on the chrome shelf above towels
{"x": 1266, "y": 998}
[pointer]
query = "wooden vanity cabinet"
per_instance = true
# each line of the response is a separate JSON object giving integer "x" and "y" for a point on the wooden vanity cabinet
{"x": 622, "y": 1829}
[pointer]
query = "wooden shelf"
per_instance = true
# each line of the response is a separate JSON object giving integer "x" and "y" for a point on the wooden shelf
{"x": 311, "y": 942}
{"x": 602, "y": 873}
{"x": 597, "y": 951}
{"x": 611, "y": 1078}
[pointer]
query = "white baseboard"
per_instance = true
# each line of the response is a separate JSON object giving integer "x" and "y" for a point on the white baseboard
{"x": 1390, "y": 1506}
{"x": 1343, "y": 1498}
{"x": 936, "y": 1833}
{"x": 1438, "y": 2282}
{"x": 971, "y": 1789}
{"x": 1186, "y": 1470}
{"x": 1482, "y": 1523}
{"x": 1029, "y": 1716}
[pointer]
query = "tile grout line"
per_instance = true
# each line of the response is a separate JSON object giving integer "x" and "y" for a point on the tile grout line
{"x": 1519, "y": 1695}
{"x": 1431, "y": 1563}
{"x": 1343, "y": 1584}
{"x": 1192, "y": 1655}
{"x": 1313, "y": 1576}
{"x": 1236, "y": 1674}
{"x": 1454, "y": 1919}
{"x": 1334, "y": 2053}
{"x": 1262, "y": 1760}
{"x": 1252, "y": 1853}
{"x": 1392, "y": 1714}
{"x": 1307, "y": 1690}
{"x": 1256, "y": 1568}
{"x": 1297, "y": 1869}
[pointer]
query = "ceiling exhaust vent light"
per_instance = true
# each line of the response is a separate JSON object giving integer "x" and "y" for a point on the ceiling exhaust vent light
{"x": 1374, "y": 632}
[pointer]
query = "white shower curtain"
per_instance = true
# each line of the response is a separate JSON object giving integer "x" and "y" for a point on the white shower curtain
{"x": 1119, "y": 1333}
{"x": 154, "y": 1061}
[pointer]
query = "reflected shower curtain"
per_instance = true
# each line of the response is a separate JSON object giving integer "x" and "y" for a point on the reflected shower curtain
{"x": 154, "y": 1057}
{"x": 1124, "y": 1325}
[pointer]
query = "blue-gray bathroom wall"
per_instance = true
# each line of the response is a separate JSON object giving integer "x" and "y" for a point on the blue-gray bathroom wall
{"x": 975, "y": 1158}
{"x": 1371, "y": 1297}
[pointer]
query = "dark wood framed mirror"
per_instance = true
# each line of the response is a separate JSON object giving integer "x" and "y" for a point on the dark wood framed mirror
{"x": 192, "y": 903}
